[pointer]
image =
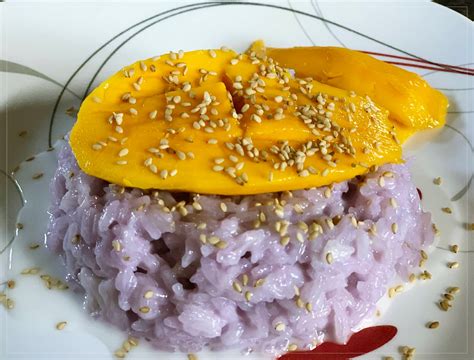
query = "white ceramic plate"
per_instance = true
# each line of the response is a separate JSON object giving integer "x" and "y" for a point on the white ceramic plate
{"x": 52, "y": 54}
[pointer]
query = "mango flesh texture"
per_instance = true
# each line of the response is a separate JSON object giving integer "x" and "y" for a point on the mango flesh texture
{"x": 153, "y": 148}
{"x": 411, "y": 102}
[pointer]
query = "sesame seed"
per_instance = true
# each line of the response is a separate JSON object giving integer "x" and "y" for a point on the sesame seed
{"x": 116, "y": 245}
{"x": 164, "y": 174}
{"x": 143, "y": 66}
{"x": 152, "y": 115}
{"x": 223, "y": 207}
{"x": 153, "y": 168}
{"x": 202, "y": 226}
{"x": 96, "y": 99}
{"x": 123, "y": 152}
{"x": 299, "y": 237}
{"x": 303, "y": 173}
{"x": 148, "y": 162}
{"x": 425, "y": 275}
{"x": 381, "y": 181}
{"x": 132, "y": 341}
{"x": 120, "y": 354}
{"x": 96, "y": 147}
{"x": 10, "y": 304}
{"x": 173, "y": 172}
{"x": 448, "y": 296}
{"x": 34, "y": 246}
{"x": 394, "y": 228}
{"x": 237, "y": 286}
{"x": 118, "y": 129}
{"x": 212, "y": 141}
{"x": 245, "y": 279}
{"x": 126, "y": 346}
{"x": 437, "y": 181}
{"x": 327, "y": 193}
{"x": 121, "y": 162}
{"x": 285, "y": 240}
{"x": 393, "y": 203}
{"x": 217, "y": 168}
{"x": 148, "y": 294}
{"x": 433, "y": 325}
{"x": 183, "y": 211}
{"x": 453, "y": 265}
{"x": 444, "y": 305}
{"x": 292, "y": 347}
{"x": 30, "y": 271}
{"x": 221, "y": 244}
{"x": 447, "y": 210}
{"x": 213, "y": 240}
{"x": 37, "y": 176}
{"x": 280, "y": 326}
{"x": 203, "y": 238}
{"x": 192, "y": 357}
{"x": 329, "y": 258}
{"x": 61, "y": 325}
{"x": 136, "y": 86}
{"x": 233, "y": 158}
{"x": 454, "y": 248}
{"x": 280, "y": 213}
{"x": 270, "y": 176}
{"x": 391, "y": 292}
{"x": 454, "y": 290}
{"x": 144, "y": 309}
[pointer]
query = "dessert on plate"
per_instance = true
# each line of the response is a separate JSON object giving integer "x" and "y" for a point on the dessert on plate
{"x": 260, "y": 201}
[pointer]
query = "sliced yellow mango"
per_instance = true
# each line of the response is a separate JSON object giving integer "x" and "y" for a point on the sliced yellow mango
{"x": 229, "y": 124}
{"x": 408, "y": 97}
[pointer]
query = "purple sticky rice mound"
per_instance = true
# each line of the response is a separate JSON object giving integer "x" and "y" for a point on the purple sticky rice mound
{"x": 145, "y": 263}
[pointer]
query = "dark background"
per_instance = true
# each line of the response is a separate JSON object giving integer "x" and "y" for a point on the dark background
{"x": 464, "y": 7}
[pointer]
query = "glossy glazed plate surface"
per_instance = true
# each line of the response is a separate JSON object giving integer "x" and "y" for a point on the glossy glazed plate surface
{"x": 53, "y": 54}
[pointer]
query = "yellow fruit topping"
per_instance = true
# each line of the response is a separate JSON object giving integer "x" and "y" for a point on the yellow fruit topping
{"x": 407, "y": 96}
{"x": 213, "y": 121}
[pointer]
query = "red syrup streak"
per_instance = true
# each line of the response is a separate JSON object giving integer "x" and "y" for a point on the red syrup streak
{"x": 360, "y": 343}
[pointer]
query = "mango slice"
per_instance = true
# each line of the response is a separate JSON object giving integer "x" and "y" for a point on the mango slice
{"x": 213, "y": 121}
{"x": 407, "y": 96}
